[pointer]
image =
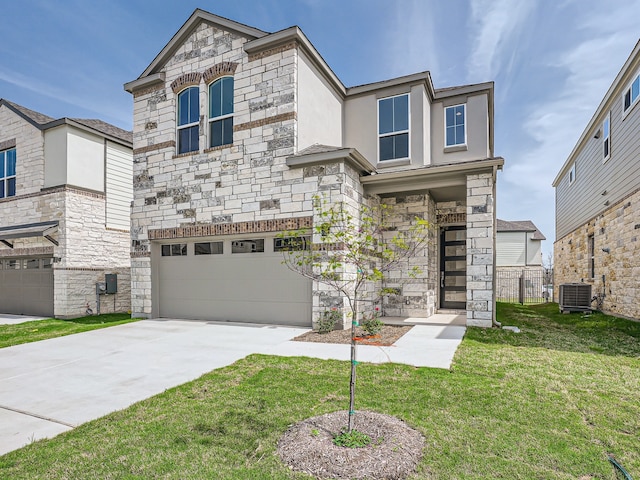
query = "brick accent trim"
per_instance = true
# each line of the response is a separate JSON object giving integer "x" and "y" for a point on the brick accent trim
{"x": 273, "y": 51}
{"x": 215, "y": 229}
{"x": 445, "y": 218}
{"x": 157, "y": 146}
{"x": 146, "y": 91}
{"x": 50, "y": 190}
{"x": 26, "y": 252}
{"x": 265, "y": 121}
{"x": 186, "y": 80}
{"x": 7, "y": 144}
{"x": 219, "y": 70}
{"x": 119, "y": 230}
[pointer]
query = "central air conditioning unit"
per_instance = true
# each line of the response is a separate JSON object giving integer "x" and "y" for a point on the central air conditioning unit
{"x": 575, "y": 297}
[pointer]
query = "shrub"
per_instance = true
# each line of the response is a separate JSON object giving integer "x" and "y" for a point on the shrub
{"x": 371, "y": 322}
{"x": 328, "y": 319}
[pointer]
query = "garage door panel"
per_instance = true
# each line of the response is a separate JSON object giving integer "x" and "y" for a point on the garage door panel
{"x": 249, "y": 287}
{"x": 26, "y": 292}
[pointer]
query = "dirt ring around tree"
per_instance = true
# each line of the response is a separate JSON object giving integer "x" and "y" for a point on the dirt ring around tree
{"x": 393, "y": 454}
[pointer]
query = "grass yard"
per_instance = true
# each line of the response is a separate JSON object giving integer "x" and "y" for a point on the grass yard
{"x": 548, "y": 403}
{"x": 43, "y": 329}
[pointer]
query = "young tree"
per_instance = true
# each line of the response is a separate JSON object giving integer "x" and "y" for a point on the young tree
{"x": 352, "y": 251}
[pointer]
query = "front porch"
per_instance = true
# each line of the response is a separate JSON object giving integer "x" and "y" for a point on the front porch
{"x": 442, "y": 317}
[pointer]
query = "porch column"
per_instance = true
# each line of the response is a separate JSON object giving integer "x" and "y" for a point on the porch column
{"x": 481, "y": 221}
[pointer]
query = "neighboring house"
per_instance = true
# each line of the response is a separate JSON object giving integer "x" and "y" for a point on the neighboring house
{"x": 519, "y": 256}
{"x": 598, "y": 200}
{"x": 236, "y": 130}
{"x": 65, "y": 195}
{"x": 518, "y": 246}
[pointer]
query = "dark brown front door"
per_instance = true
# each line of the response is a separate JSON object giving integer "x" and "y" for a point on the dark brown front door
{"x": 453, "y": 267}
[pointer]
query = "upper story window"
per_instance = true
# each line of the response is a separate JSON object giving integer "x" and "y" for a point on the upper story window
{"x": 188, "y": 120}
{"x": 572, "y": 174}
{"x": 221, "y": 112}
{"x": 632, "y": 94}
{"x": 393, "y": 127}
{"x": 455, "y": 125}
{"x": 606, "y": 138}
{"x": 8, "y": 173}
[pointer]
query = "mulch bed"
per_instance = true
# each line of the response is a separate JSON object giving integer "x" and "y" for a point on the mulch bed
{"x": 387, "y": 336}
{"x": 394, "y": 452}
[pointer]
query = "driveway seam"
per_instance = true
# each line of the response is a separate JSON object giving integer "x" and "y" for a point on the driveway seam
{"x": 35, "y": 415}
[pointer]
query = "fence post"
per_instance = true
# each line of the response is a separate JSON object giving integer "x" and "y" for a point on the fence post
{"x": 521, "y": 289}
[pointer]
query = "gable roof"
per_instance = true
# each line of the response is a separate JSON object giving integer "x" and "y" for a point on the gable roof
{"x": 37, "y": 119}
{"x": 45, "y": 122}
{"x": 520, "y": 226}
{"x": 192, "y": 22}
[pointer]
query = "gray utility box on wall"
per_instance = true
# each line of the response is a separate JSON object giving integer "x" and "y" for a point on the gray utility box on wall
{"x": 111, "y": 279}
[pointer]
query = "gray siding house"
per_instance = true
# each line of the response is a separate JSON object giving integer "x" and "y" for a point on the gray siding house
{"x": 236, "y": 130}
{"x": 65, "y": 193}
{"x": 519, "y": 269}
{"x": 598, "y": 200}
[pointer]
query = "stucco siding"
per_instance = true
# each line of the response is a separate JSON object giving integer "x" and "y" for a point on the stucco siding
{"x": 477, "y": 128}
{"x": 319, "y": 108}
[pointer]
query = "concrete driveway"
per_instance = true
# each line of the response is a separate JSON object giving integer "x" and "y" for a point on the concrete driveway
{"x": 51, "y": 386}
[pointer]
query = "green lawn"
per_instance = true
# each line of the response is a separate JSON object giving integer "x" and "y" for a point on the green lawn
{"x": 43, "y": 329}
{"x": 548, "y": 403}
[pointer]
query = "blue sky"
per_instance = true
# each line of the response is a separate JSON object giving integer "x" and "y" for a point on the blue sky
{"x": 552, "y": 62}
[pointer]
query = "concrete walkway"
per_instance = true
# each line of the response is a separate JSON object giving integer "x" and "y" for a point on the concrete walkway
{"x": 8, "y": 319}
{"x": 51, "y": 386}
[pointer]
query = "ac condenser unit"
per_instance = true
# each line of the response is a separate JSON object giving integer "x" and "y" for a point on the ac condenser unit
{"x": 575, "y": 297}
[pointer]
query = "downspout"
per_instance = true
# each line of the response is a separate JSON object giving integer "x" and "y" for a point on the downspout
{"x": 494, "y": 322}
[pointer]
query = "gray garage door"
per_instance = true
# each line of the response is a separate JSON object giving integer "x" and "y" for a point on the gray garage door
{"x": 26, "y": 286}
{"x": 241, "y": 280}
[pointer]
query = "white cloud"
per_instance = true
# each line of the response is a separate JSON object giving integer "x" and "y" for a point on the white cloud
{"x": 494, "y": 24}
{"x": 586, "y": 69}
{"x": 411, "y": 42}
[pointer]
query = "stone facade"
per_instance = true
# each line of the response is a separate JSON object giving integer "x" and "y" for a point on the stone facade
{"x": 83, "y": 249}
{"x": 480, "y": 250}
{"x": 265, "y": 178}
{"x": 616, "y": 241}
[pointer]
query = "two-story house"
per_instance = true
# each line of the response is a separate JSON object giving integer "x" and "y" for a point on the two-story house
{"x": 65, "y": 198}
{"x": 520, "y": 273}
{"x": 598, "y": 200}
{"x": 236, "y": 130}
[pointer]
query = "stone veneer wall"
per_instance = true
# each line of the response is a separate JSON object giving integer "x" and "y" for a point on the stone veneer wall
{"x": 417, "y": 296}
{"x": 87, "y": 249}
{"x": 29, "y": 143}
{"x": 616, "y": 229}
{"x": 243, "y": 182}
{"x": 481, "y": 226}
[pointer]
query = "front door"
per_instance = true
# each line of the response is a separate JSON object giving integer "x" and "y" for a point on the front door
{"x": 453, "y": 267}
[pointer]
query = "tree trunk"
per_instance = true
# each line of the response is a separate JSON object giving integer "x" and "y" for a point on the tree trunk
{"x": 352, "y": 381}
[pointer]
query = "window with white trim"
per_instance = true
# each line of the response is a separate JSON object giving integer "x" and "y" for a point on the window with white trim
{"x": 455, "y": 125}
{"x": 393, "y": 127}
{"x": 631, "y": 95}
{"x": 221, "y": 112}
{"x": 188, "y": 120}
{"x": 8, "y": 173}
{"x": 606, "y": 138}
{"x": 572, "y": 174}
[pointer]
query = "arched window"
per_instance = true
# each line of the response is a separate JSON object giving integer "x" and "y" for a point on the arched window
{"x": 221, "y": 112}
{"x": 188, "y": 118}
